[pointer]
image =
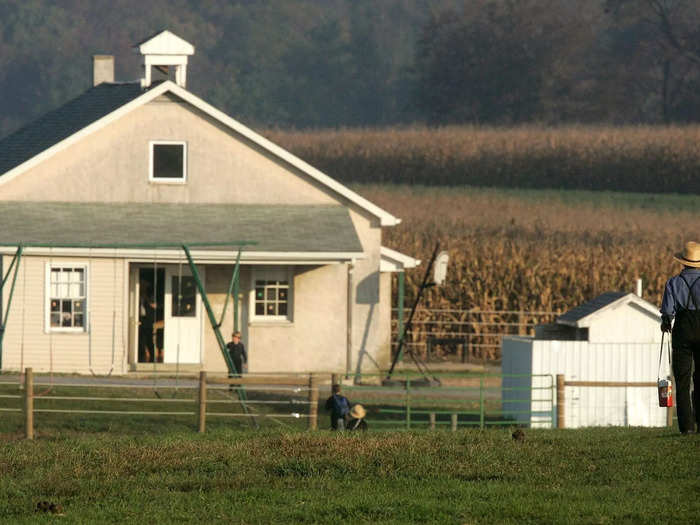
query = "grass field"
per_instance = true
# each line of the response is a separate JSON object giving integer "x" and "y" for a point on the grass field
{"x": 165, "y": 475}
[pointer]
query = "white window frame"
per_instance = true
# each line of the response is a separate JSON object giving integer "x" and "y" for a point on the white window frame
{"x": 47, "y": 298}
{"x": 168, "y": 180}
{"x": 281, "y": 273}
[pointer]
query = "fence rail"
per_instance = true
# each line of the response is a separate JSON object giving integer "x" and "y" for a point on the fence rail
{"x": 562, "y": 383}
{"x": 459, "y": 400}
{"x": 481, "y": 331}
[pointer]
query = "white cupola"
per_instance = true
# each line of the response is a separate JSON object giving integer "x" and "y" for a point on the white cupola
{"x": 163, "y": 51}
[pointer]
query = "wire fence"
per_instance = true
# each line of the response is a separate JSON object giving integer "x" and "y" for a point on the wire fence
{"x": 474, "y": 335}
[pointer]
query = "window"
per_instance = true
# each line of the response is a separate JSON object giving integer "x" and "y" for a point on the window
{"x": 168, "y": 162}
{"x": 184, "y": 296}
{"x": 272, "y": 294}
{"x": 67, "y": 298}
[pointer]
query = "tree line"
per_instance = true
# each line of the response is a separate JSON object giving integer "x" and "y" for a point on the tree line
{"x": 350, "y": 63}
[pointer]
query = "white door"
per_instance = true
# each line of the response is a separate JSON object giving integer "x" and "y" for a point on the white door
{"x": 183, "y": 316}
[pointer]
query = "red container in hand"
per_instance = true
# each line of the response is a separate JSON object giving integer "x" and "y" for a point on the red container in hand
{"x": 665, "y": 393}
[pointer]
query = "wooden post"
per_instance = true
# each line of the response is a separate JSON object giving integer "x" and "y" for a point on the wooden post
{"x": 522, "y": 323}
{"x": 454, "y": 422}
{"x": 335, "y": 379}
{"x": 560, "y": 400}
{"x": 313, "y": 402}
{"x": 202, "y": 412}
{"x": 432, "y": 420}
{"x": 29, "y": 403}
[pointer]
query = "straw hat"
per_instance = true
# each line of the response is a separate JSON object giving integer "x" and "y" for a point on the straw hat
{"x": 690, "y": 255}
{"x": 358, "y": 412}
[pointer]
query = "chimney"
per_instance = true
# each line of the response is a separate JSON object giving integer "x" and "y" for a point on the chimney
{"x": 639, "y": 287}
{"x": 102, "y": 69}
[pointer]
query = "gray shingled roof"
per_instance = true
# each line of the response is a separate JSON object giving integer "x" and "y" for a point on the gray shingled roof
{"x": 63, "y": 122}
{"x": 275, "y": 228}
{"x": 586, "y": 309}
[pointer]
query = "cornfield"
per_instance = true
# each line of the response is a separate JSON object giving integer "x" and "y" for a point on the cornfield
{"x": 520, "y": 252}
{"x": 640, "y": 158}
{"x": 519, "y": 249}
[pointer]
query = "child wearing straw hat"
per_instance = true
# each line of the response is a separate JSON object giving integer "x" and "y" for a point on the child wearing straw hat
{"x": 681, "y": 302}
{"x": 357, "y": 418}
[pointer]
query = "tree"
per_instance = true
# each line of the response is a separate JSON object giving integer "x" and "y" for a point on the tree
{"x": 490, "y": 62}
{"x": 657, "y": 43}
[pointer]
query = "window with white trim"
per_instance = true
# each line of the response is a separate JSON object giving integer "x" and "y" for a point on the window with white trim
{"x": 167, "y": 161}
{"x": 67, "y": 298}
{"x": 272, "y": 294}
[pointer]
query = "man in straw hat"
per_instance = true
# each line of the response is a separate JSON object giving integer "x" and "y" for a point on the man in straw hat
{"x": 682, "y": 302}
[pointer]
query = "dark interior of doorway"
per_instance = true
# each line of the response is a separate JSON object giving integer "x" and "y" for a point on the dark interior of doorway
{"x": 151, "y": 314}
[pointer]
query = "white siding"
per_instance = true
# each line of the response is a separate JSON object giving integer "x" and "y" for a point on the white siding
{"x": 624, "y": 324}
{"x": 516, "y": 366}
{"x": 583, "y": 361}
{"x": 27, "y": 342}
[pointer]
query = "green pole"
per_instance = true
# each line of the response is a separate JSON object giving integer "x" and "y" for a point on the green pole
{"x": 234, "y": 282}
{"x": 9, "y": 270}
{"x": 402, "y": 286}
{"x": 217, "y": 331}
{"x": 18, "y": 257}
{"x": 210, "y": 312}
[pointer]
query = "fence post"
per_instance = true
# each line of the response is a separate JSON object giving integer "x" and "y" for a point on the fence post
{"x": 408, "y": 403}
{"x": 481, "y": 402}
{"x": 431, "y": 416}
{"x": 560, "y": 400}
{"x": 313, "y": 400}
{"x": 453, "y": 416}
{"x": 202, "y": 412}
{"x": 522, "y": 323}
{"x": 28, "y": 403}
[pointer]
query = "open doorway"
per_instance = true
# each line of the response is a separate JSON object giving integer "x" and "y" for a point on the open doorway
{"x": 151, "y": 315}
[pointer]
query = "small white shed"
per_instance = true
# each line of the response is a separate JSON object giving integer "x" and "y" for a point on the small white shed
{"x": 614, "y": 337}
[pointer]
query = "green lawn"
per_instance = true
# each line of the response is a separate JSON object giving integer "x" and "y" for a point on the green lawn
{"x": 606, "y": 475}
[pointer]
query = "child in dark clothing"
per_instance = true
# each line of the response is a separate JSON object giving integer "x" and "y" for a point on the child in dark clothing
{"x": 339, "y": 406}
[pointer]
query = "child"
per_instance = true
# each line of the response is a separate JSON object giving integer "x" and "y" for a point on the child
{"x": 339, "y": 406}
{"x": 357, "y": 418}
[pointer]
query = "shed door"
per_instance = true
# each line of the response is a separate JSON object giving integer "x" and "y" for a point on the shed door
{"x": 183, "y": 316}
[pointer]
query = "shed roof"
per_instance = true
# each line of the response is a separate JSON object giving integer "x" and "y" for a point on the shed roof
{"x": 579, "y": 315}
{"x": 275, "y": 228}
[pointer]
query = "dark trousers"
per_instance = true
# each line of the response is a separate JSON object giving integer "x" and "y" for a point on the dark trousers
{"x": 683, "y": 356}
{"x": 238, "y": 363}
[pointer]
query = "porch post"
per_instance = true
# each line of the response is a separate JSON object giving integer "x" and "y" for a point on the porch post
{"x": 235, "y": 297}
{"x": 351, "y": 302}
{"x": 400, "y": 306}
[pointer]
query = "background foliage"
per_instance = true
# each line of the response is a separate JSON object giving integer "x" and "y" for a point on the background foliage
{"x": 330, "y": 63}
